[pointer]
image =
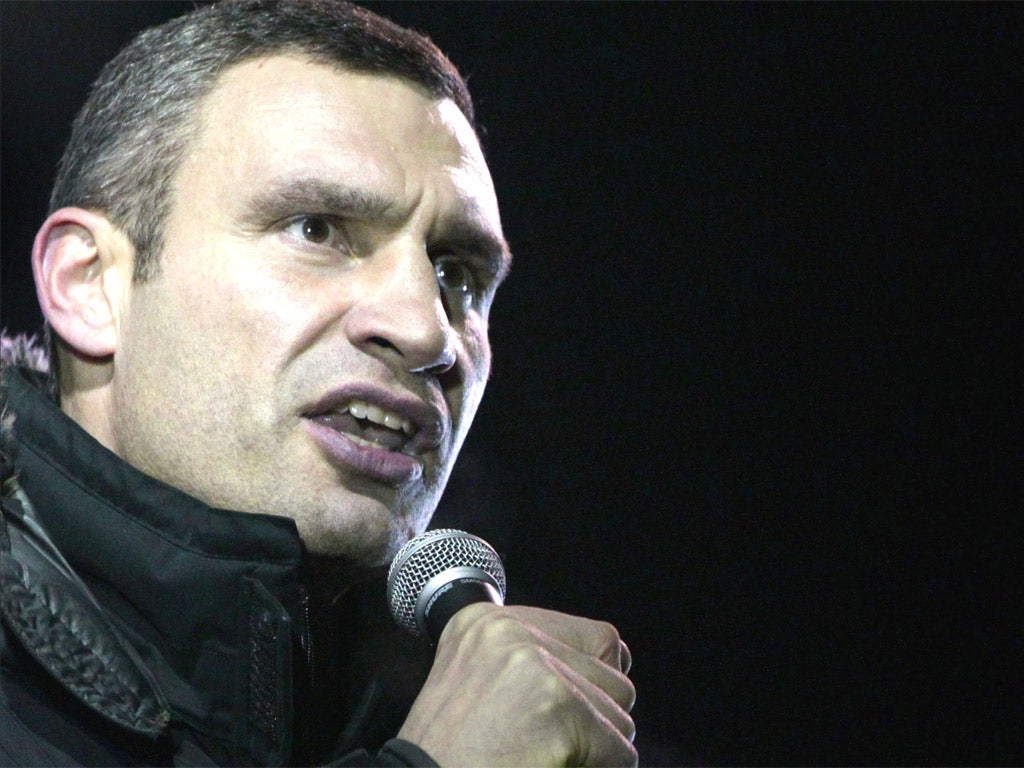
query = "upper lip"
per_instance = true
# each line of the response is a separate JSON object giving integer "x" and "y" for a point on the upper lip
{"x": 431, "y": 424}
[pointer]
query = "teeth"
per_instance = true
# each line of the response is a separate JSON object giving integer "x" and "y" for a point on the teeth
{"x": 377, "y": 415}
{"x": 367, "y": 443}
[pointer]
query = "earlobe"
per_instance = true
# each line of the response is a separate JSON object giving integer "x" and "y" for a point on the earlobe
{"x": 78, "y": 261}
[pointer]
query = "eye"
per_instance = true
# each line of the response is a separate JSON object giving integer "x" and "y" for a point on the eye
{"x": 455, "y": 278}
{"x": 315, "y": 229}
{"x": 318, "y": 230}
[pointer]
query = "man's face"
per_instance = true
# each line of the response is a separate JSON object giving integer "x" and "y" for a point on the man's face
{"x": 315, "y": 343}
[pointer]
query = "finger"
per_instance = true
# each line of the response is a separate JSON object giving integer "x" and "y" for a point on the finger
{"x": 597, "y": 638}
{"x": 600, "y": 701}
{"x": 594, "y": 672}
{"x": 527, "y": 629}
{"x": 603, "y": 732}
{"x": 606, "y": 746}
{"x": 592, "y": 647}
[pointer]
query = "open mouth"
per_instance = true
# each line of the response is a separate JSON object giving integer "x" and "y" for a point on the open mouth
{"x": 369, "y": 426}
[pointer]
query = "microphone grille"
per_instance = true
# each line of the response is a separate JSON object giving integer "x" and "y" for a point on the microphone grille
{"x": 428, "y": 555}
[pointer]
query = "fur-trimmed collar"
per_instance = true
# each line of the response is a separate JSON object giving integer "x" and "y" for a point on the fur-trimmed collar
{"x": 25, "y": 351}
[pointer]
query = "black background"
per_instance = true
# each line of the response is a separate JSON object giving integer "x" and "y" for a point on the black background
{"x": 757, "y": 391}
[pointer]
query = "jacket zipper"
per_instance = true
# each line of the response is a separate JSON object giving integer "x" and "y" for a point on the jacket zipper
{"x": 307, "y": 638}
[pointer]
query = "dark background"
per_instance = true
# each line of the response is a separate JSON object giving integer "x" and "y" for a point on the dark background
{"x": 757, "y": 390}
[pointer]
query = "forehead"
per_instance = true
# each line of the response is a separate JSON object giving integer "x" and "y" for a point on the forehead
{"x": 286, "y": 116}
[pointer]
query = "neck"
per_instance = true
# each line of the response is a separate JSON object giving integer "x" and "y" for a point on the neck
{"x": 86, "y": 392}
{"x": 329, "y": 579}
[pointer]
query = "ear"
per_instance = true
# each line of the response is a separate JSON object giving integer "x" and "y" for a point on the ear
{"x": 82, "y": 268}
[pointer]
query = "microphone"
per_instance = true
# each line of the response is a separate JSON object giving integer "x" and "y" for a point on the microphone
{"x": 438, "y": 573}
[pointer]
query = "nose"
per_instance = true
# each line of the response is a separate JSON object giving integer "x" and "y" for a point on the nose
{"x": 398, "y": 315}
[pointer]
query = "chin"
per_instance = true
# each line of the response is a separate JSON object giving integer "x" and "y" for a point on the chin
{"x": 371, "y": 542}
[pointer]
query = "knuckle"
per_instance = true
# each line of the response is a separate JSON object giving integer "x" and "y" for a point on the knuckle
{"x": 610, "y": 644}
{"x": 565, "y": 747}
{"x": 556, "y": 690}
{"x": 476, "y": 622}
{"x": 523, "y": 657}
{"x": 560, "y": 691}
{"x": 608, "y": 633}
{"x": 499, "y": 628}
{"x": 529, "y": 662}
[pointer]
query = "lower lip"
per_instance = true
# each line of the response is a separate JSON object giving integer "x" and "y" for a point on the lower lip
{"x": 377, "y": 463}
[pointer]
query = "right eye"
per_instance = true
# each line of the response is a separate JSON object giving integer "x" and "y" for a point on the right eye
{"x": 318, "y": 230}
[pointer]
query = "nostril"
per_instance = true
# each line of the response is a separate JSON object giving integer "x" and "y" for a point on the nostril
{"x": 442, "y": 363}
{"x": 380, "y": 341}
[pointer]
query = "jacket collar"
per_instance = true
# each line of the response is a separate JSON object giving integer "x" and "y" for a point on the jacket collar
{"x": 210, "y": 598}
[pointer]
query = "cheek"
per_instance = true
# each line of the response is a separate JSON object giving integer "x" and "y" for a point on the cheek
{"x": 478, "y": 348}
{"x": 478, "y": 364}
{"x": 194, "y": 336}
{"x": 237, "y": 308}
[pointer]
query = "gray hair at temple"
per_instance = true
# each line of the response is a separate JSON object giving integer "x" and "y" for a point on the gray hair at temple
{"x": 131, "y": 135}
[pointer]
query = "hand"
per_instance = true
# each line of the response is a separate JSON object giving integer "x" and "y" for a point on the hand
{"x": 520, "y": 686}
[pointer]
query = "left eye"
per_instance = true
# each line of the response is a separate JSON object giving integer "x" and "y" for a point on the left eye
{"x": 454, "y": 276}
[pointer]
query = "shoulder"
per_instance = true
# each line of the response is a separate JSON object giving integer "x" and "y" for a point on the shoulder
{"x": 65, "y": 686}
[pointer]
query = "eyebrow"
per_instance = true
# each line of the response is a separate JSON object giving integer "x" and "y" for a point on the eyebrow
{"x": 309, "y": 195}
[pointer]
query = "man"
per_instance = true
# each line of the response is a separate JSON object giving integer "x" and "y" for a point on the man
{"x": 271, "y": 253}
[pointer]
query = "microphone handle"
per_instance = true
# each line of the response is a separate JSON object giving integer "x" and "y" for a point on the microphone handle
{"x": 452, "y": 597}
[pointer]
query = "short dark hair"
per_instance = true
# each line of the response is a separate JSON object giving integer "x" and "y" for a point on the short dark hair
{"x": 142, "y": 112}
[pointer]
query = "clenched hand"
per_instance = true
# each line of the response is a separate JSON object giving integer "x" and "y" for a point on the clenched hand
{"x": 521, "y": 686}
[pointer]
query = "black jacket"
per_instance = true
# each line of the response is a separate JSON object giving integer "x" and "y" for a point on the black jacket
{"x": 141, "y": 627}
